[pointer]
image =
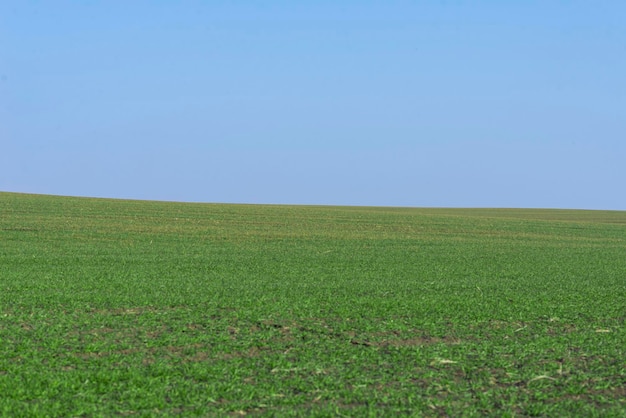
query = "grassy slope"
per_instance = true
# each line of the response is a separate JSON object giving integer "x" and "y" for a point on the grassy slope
{"x": 133, "y": 307}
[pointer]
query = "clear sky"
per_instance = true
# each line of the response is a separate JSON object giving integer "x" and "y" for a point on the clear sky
{"x": 387, "y": 103}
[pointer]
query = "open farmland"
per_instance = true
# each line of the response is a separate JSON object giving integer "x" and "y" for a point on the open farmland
{"x": 134, "y": 308}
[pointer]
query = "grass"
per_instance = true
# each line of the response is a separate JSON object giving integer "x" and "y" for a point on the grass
{"x": 131, "y": 308}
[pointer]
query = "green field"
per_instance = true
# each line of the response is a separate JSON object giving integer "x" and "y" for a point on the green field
{"x": 134, "y": 308}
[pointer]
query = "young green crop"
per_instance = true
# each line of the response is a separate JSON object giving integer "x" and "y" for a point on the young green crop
{"x": 112, "y": 307}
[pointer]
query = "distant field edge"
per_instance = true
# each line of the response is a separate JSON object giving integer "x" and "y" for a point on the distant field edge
{"x": 465, "y": 210}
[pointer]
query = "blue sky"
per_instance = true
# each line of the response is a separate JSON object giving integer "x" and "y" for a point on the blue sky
{"x": 389, "y": 103}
